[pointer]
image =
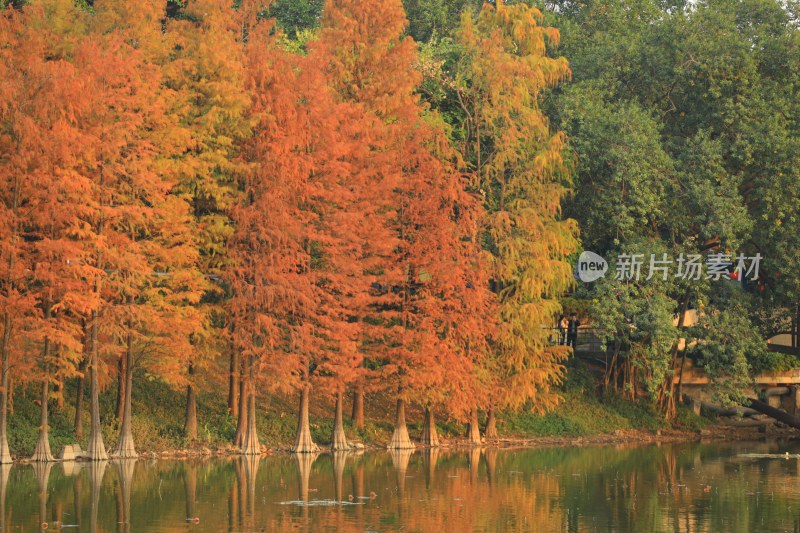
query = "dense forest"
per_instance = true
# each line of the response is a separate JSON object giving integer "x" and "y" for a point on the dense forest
{"x": 343, "y": 198}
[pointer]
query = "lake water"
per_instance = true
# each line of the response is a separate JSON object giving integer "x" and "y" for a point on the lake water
{"x": 682, "y": 487}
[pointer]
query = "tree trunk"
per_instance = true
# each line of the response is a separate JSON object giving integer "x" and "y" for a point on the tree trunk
{"x": 5, "y": 453}
{"x": 250, "y": 443}
{"x": 58, "y": 391}
{"x": 430, "y": 437}
{"x": 190, "y": 427}
{"x": 121, "y": 384}
{"x": 400, "y": 439}
{"x": 233, "y": 385}
{"x": 303, "y": 443}
{"x": 42, "y": 451}
{"x": 5, "y": 349}
{"x": 125, "y": 447}
{"x": 358, "y": 408}
{"x": 491, "y": 426}
{"x": 339, "y": 439}
{"x": 79, "y": 394}
{"x": 241, "y": 425}
{"x": 120, "y": 387}
{"x": 96, "y": 450}
{"x": 473, "y": 428}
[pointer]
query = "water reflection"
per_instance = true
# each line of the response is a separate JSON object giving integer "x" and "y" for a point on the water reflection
{"x": 690, "y": 488}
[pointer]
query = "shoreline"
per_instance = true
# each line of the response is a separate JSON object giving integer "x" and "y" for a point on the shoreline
{"x": 622, "y": 437}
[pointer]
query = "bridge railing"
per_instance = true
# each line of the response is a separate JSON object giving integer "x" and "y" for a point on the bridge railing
{"x": 588, "y": 340}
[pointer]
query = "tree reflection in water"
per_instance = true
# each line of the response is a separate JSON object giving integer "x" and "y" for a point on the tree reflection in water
{"x": 694, "y": 487}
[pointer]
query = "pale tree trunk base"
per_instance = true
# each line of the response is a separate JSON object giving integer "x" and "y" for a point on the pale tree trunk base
{"x": 430, "y": 436}
{"x": 473, "y": 429}
{"x": 42, "y": 452}
{"x": 490, "y": 432}
{"x": 400, "y": 439}
{"x": 250, "y": 442}
{"x": 96, "y": 450}
{"x": 125, "y": 447}
{"x": 304, "y": 443}
{"x": 339, "y": 439}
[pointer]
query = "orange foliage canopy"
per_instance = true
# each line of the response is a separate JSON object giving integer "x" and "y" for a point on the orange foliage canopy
{"x": 430, "y": 304}
{"x": 141, "y": 158}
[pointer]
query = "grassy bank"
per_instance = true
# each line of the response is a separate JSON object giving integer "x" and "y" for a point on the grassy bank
{"x": 159, "y": 413}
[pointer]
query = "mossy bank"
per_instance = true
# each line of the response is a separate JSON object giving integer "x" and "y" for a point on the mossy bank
{"x": 158, "y": 411}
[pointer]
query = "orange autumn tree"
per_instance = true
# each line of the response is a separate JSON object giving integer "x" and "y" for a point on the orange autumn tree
{"x": 120, "y": 191}
{"x": 47, "y": 90}
{"x": 25, "y": 161}
{"x": 155, "y": 280}
{"x": 95, "y": 97}
{"x": 446, "y": 305}
{"x": 294, "y": 273}
{"x": 360, "y": 76}
{"x": 429, "y": 295}
{"x": 520, "y": 164}
{"x": 59, "y": 277}
{"x": 139, "y": 25}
